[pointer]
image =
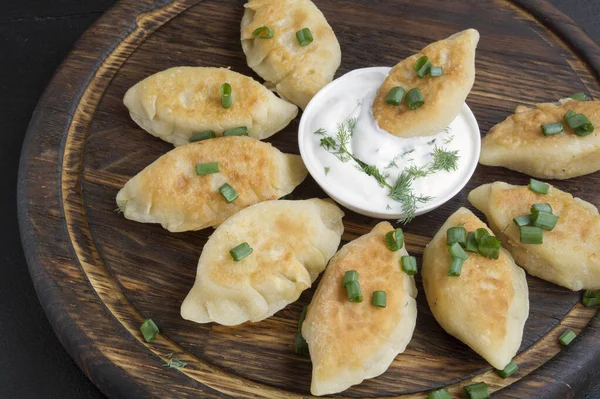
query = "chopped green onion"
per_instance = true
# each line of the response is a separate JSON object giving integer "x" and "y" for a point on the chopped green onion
{"x": 489, "y": 247}
{"x": 302, "y": 317}
{"x": 580, "y": 124}
{"x": 379, "y": 299}
{"x": 509, "y": 370}
{"x": 540, "y": 208}
{"x": 353, "y": 291}
{"x": 457, "y": 252}
{"x": 436, "y": 71}
{"x": 524, "y": 220}
{"x": 480, "y": 233}
{"x": 531, "y": 235}
{"x": 552, "y": 128}
{"x": 414, "y": 98}
{"x": 207, "y": 168}
{"x": 208, "y": 134}
{"x": 579, "y": 96}
{"x": 228, "y": 193}
{"x": 439, "y": 394}
{"x": 264, "y": 32}
{"x": 395, "y": 96}
{"x": 300, "y": 345}
{"x": 546, "y": 221}
{"x": 149, "y": 330}
{"x": 591, "y": 298}
{"x": 350, "y": 276}
{"x": 241, "y": 251}
{"x": 236, "y": 131}
{"x": 567, "y": 337}
{"x": 409, "y": 265}
{"x": 455, "y": 267}
{"x": 395, "y": 240}
{"x": 490, "y": 242}
{"x": 477, "y": 391}
{"x": 456, "y": 234}
{"x": 538, "y": 187}
{"x": 422, "y": 66}
{"x": 304, "y": 37}
{"x": 226, "y": 99}
{"x": 471, "y": 242}
{"x": 569, "y": 114}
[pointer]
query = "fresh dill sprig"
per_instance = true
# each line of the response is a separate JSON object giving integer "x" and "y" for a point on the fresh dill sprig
{"x": 373, "y": 171}
{"x": 174, "y": 362}
{"x": 388, "y": 207}
{"x": 320, "y": 131}
{"x": 352, "y": 124}
{"x": 327, "y": 169}
{"x": 447, "y": 129}
{"x": 416, "y": 172}
{"x": 444, "y": 159}
{"x": 393, "y": 163}
{"x": 449, "y": 139}
{"x": 402, "y": 192}
{"x": 328, "y": 143}
{"x": 407, "y": 152}
{"x": 432, "y": 142}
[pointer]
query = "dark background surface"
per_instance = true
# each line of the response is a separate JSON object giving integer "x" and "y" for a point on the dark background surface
{"x": 35, "y": 35}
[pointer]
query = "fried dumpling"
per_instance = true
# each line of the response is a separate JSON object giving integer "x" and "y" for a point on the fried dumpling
{"x": 291, "y": 242}
{"x": 351, "y": 341}
{"x": 487, "y": 305}
{"x": 570, "y": 253}
{"x": 296, "y": 72}
{"x": 179, "y": 102}
{"x": 171, "y": 192}
{"x": 518, "y": 143}
{"x": 444, "y": 95}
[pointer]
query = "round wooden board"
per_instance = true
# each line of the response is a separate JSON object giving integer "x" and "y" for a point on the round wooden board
{"x": 98, "y": 275}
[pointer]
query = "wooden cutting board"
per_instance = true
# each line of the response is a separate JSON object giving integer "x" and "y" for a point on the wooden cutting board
{"x": 98, "y": 275}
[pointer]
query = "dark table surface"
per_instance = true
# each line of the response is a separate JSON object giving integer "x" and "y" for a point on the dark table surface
{"x": 35, "y": 35}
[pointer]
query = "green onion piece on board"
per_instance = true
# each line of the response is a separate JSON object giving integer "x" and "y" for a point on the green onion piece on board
{"x": 228, "y": 193}
{"x": 226, "y": 99}
{"x": 394, "y": 240}
{"x": 580, "y": 124}
{"x": 477, "y": 391}
{"x": 208, "y": 134}
{"x": 350, "y": 276}
{"x": 531, "y": 235}
{"x": 423, "y": 66}
{"x": 456, "y": 251}
{"x": 353, "y": 291}
{"x": 409, "y": 265}
{"x": 304, "y": 37}
{"x": 579, "y": 96}
{"x": 149, "y": 330}
{"x": 302, "y": 317}
{"x": 524, "y": 220}
{"x": 414, "y": 98}
{"x": 591, "y": 298}
{"x": 540, "y": 208}
{"x": 207, "y": 168}
{"x": 241, "y": 251}
{"x": 439, "y": 394}
{"x": 480, "y": 233}
{"x": 567, "y": 337}
{"x": 237, "y": 131}
{"x": 545, "y": 221}
{"x": 538, "y": 187}
{"x": 456, "y": 234}
{"x": 509, "y": 370}
{"x": 552, "y": 128}
{"x": 471, "y": 242}
{"x": 300, "y": 345}
{"x": 379, "y": 299}
{"x": 455, "y": 267}
{"x": 395, "y": 96}
{"x": 264, "y": 32}
{"x": 436, "y": 71}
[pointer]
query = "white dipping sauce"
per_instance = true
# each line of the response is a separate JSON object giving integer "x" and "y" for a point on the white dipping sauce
{"x": 351, "y": 96}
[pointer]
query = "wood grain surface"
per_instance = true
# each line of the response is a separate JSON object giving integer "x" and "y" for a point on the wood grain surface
{"x": 98, "y": 275}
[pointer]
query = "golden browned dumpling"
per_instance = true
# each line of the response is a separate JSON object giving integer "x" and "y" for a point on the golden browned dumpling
{"x": 291, "y": 243}
{"x": 570, "y": 253}
{"x": 179, "y": 102}
{"x": 171, "y": 192}
{"x": 351, "y": 341}
{"x": 296, "y": 72}
{"x": 444, "y": 95}
{"x": 518, "y": 143}
{"x": 487, "y": 305}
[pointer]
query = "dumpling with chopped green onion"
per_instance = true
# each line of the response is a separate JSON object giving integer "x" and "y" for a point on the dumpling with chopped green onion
{"x": 201, "y": 184}
{"x": 570, "y": 252}
{"x": 297, "y": 67}
{"x": 518, "y": 143}
{"x": 261, "y": 259}
{"x": 352, "y": 341}
{"x": 443, "y": 96}
{"x": 180, "y": 102}
{"x": 487, "y": 304}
